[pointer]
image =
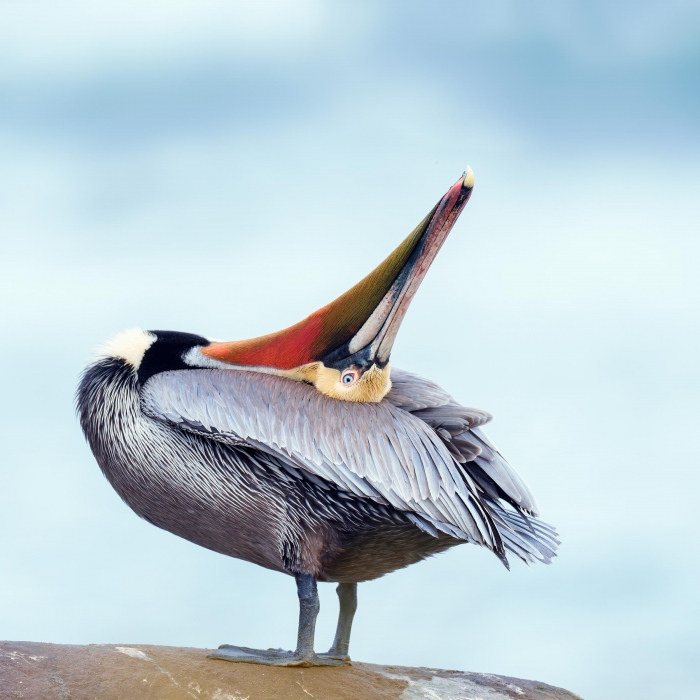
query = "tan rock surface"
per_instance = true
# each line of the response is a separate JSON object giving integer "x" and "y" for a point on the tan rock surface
{"x": 36, "y": 671}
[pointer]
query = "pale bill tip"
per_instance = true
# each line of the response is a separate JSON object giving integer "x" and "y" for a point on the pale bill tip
{"x": 468, "y": 179}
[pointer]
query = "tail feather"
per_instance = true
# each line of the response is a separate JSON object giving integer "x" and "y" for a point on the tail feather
{"x": 524, "y": 535}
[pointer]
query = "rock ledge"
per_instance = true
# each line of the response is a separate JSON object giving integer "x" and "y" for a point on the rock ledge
{"x": 36, "y": 671}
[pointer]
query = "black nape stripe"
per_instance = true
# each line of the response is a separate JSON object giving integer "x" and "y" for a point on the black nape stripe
{"x": 167, "y": 353}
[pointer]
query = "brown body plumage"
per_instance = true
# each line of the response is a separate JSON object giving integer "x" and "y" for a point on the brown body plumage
{"x": 303, "y": 451}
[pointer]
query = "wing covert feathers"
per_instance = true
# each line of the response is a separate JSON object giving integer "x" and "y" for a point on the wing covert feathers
{"x": 377, "y": 451}
{"x": 418, "y": 450}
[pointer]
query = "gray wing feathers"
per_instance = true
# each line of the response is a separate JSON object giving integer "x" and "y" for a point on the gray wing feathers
{"x": 380, "y": 451}
{"x": 458, "y": 427}
{"x": 526, "y": 537}
{"x": 413, "y": 393}
{"x": 496, "y": 467}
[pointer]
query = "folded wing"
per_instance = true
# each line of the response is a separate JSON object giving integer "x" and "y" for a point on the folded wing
{"x": 506, "y": 496}
{"x": 382, "y": 451}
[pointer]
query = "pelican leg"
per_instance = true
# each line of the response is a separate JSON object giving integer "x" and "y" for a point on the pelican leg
{"x": 347, "y": 594}
{"x": 304, "y": 655}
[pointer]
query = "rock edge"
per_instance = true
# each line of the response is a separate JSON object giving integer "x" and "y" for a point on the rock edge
{"x": 38, "y": 671}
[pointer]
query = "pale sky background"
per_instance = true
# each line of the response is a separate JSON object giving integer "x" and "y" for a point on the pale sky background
{"x": 226, "y": 168}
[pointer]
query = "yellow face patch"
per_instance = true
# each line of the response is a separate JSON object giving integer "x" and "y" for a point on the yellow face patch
{"x": 371, "y": 387}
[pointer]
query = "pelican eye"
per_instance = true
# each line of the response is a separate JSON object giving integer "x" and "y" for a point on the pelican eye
{"x": 349, "y": 377}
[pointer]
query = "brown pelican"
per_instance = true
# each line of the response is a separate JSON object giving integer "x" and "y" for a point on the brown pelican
{"x": 303, "y": 451}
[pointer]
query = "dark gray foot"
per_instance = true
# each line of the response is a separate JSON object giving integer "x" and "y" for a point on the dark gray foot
{"x": 273, "y": 657}
{"x": 337, "y": 655}
{"x": 304, "y": 654}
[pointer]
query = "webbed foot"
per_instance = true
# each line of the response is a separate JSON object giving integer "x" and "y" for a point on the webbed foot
{"x": 273, "y": 657}
{"x": 337, "y": 655}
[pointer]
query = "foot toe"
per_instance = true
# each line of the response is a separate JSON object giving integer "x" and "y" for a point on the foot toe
{"x": 330, "y": 654}
{"x": 271, "y": 657}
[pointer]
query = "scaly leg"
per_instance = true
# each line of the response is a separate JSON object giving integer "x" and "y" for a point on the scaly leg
{"x": 347, "y": 594}
{"x": 304, "y": 654}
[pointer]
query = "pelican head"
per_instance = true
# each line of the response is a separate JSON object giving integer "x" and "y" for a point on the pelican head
{"x": 343, "y": 348}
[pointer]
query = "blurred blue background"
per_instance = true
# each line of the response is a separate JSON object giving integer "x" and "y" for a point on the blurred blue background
{"x": 226, "y": 168}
